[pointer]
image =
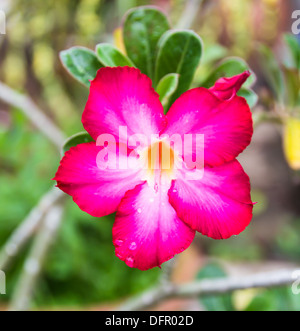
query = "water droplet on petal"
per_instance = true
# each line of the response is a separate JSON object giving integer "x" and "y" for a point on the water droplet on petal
{"x": 139, "y": 210}
{"x": 132, "y": 246}
{"x": 118, "y": 242}
{"x": 120, "y": 256}
{"x": 156, "y": 187}
{"x": 129, "y": 261}
{"x": 174, "y": 191}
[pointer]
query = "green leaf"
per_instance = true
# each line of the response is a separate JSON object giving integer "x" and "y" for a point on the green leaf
{"x": 81, "y": 63}
{"x": 272, "y": 71}
{"x": 110, "y": 56}
{"x": 179, "y": 52}
{"x": 142, "y": 30}
{"x": 213, "y": 53}
{"x": 249, "y": 95}
{"x": 215, "y": 303}
{"x": 79, "y": 138}
{"x": 292, "y": 86}
{"x": 231, "y": 66}
{"x": 278, "y": 299}
{"x": 294, "y": 48}
{"x": 166, "y": 87}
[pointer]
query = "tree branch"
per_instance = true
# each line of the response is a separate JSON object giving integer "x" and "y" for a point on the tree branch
{"x": 22, "y": 296}
{"x": 34, "y": 114}
{"x": 189, "y": 14}
{"x": 24, "y": 232}
{"x": 209, "y": 287}
{"x": 167, "y": 272}
{"x": 263, "y": 117}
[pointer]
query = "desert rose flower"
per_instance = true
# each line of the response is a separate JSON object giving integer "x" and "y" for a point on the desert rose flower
{"x": 158, "y": 209}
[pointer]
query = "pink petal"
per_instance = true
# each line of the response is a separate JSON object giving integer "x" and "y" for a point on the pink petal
{"x": 122, "y": 96}
{"x": 97, "y": 192}
{"x": 219, "y": 205}
{"x": 226, "y": 125}
{"x": 147, "y": 231}
{"x": 227, "y": 88}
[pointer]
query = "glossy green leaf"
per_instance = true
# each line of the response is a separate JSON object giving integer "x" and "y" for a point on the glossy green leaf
{"x": 249, "y": 95}
{"x": 179, "y": 52}
{"x": 110, "y": 56}
{"x": 272, "y": 71}
{"x": 142, "y": 30}
{"x": 231, "y": 66}
{"x": 166, "y": 87}
{"x": 81, "y": 63}
{"x": 79, "y": 138}
{"x": 215, "y": 303}
{"x": 294, "y": 47}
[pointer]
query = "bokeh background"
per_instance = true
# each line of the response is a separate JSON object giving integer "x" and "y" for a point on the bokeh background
{"x": 81, "y": 270}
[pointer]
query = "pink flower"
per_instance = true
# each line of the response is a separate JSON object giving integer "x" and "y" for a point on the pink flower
{"x": 158, "y": 211}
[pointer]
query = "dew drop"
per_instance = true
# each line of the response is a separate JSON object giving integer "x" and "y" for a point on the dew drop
{"x": 132, "y": 246}
{"x": 174, "y": 191}
{"x": 156, "y": 187}
{"x": 120, "y": 256}
{"x": 139, "y": 210}
{"x": 118, "y": 242}
{"x": 129, "y": 261}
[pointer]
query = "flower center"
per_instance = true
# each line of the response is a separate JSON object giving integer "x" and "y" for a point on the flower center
{"x": 160, "y": 159}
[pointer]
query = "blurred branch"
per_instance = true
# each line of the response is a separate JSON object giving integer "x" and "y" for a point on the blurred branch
{"x": 24, "y": 232}
{"x": 209, "y": 287}
{"x": 263, "y": 116}
{"x": 34, "y": 114}
{"x": 189, "y": 14}
{"x": 24, "y": 291}
{"x": 167, "y": 271}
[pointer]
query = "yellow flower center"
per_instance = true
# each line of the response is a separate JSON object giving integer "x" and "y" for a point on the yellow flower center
{"x": 159, "y": 161}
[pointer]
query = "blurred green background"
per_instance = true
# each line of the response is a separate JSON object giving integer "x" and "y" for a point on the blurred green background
{"x": 81, "y": 270}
